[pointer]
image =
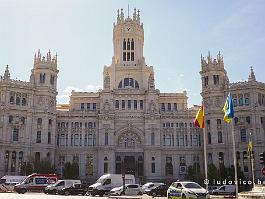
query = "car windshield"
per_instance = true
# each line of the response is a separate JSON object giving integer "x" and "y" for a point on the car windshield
{"x": 192, "y": 185}
{"x": 100, "y": 180}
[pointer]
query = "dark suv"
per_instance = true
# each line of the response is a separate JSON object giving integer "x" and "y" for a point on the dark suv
{"x": 160, "y": 190}
{"x": 75, "y": 189}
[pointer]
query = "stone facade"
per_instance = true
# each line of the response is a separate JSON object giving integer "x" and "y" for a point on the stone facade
{"x": 249, "y": 122}
{"x": 129, "y": 123}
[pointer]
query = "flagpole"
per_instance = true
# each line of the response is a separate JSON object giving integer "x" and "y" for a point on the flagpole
{"x": 205, "y": 159}
{"x": 251, "y": 161}
{"x": 234, "y": 154}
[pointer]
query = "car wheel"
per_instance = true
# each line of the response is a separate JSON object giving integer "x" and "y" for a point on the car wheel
{"x": 54, "y": 192}
{"x": 66, "y": 193}
{"x": 23, "y": 191}
{"x": 139, "y": 193}
{"x": 183, "y": 196}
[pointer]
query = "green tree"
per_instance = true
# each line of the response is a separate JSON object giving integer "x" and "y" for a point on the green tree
{"x": 71, "y": 171}
{"x": 26, "y": 168}
{"x": 213, "y": 173}
{"x": 44, "y": 166}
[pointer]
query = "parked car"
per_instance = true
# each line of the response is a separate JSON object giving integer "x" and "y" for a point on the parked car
{"x": 7, "y": 183}
{"x": 160, "y": 190}
{"x": 75, "y": 189}
{"x": 185, "y": 190}
{"x": 107, "y": 182}
{"x": 150, "y": 185}
{"x": 59, "y": 185}
{"x": 130, "y": 189}
{"x": 225, "y": 190}
{"x": 35, "y": 182}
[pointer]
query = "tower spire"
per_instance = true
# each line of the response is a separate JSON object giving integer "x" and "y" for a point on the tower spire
{"x": 251, "y": 76}
{"x": 128, "y": 10}
{"x": 7, "y": 73}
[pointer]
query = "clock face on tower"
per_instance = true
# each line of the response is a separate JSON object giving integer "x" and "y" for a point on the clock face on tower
{"x": 128, "y": 29}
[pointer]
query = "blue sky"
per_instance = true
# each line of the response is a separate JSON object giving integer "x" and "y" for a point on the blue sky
{"x": 176, "y": 33}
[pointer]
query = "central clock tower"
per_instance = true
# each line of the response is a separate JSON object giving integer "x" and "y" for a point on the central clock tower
{"x": 128, "y": 39}
{"x": 128, "y": 70}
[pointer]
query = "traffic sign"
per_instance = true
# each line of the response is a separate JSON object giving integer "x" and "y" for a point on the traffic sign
{"x": 263, "y": 171}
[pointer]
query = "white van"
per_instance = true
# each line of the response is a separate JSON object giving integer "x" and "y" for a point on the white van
{"x": 59, "y": 185}
{"x": 109, "y": 181}
{"x": 225, "y": 190}
{"x": 7, "y": 182}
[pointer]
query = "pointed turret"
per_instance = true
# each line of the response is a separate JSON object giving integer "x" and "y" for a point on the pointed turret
{"x": 251, "y": 76}
{"x": 7, "y": 73}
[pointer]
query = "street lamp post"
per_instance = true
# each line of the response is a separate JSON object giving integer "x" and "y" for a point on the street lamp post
{"x": 123, "y": 176}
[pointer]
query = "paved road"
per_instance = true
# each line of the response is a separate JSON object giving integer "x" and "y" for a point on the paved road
{"x": 42, "y": 196}
{"x": 48, "y": 196}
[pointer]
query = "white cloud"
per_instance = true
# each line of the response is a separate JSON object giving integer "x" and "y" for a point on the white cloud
{"x": 63, "y": 97}
{"x": 93, "y": 88}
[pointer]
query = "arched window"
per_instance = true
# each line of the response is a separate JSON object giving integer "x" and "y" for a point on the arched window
{"x": 128, "y": 83}
{"x": 106, "y": 165}
{"x": 235, "y": 102}
{"x": 169, "y": 166}
{"x": 209, "y": 138}
{"x": 132, "y": 45}
{"x": 124, "y": 44}
{"x": 39, "y": 121}
{"x": 18, "y": 101}
{"x": 11, "y": 100}
{"x": 221, "y": 158}
{"x": 220, "y": 137}
{"x": 13, "y": 161}
{"x": 241, "y": 102}
{"x": 246, "y": 101}
{"x": 120, "y": 84}
{"x": 10, "y": 118}
{"x": 24, "y": 102}
{"x": 128, "y": 44}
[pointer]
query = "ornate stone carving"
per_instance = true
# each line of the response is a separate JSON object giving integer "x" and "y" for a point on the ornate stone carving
{"x": 129, "y": 140}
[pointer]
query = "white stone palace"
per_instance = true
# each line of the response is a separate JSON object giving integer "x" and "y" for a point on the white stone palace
{"x": 129, "y": 121}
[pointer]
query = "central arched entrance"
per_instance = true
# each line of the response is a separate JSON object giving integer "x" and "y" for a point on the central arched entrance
{"x": 130, "y": 163}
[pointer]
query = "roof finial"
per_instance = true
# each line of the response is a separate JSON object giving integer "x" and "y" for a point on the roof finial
{"x": 7, "y": 73}
{"x": 128, "y": 10}
{"x": 251, "y": 76}
{"x": 134, "y": 14}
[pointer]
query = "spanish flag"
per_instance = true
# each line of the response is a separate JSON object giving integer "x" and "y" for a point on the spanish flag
{"x": 228, "y": 109}
{"x": 199, "y": 120}
{"x": 249, "y": 149}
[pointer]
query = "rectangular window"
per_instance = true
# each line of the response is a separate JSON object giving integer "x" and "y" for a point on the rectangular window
{"x": 124, "y": 56}
{"x": 169, "y": 107}
{"x": 243, "y": 135}
{"x": 141, "y": 104}
{"x": 38, "y": 140}
{"x": 206, "y": 81}
{"x": 62, "y": 140}
{"x": 105, "y": 167}
{"x": 106, "y": 138}
{"x": 129, "y": 104}
{"x": 152, "y": 138}
{"x": 128, "y": 56}
{"x": 76, "y": 140}
{"x": 94, "y": 106}
{"x": 153, "y": 167}
{"x": 132, "y": 56}
{"x": 123, "y": 104}
{"x": 49, "y": 137}
{"x": 175, "y": 107}
{"x": 82, "y": 106}
{"x": 117, "y": 104}
{"x": 135, "y": 104}
{"x": 15, "y": 134}
{"x": 88, "y": 106}
{"x": 163, "y": 107}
